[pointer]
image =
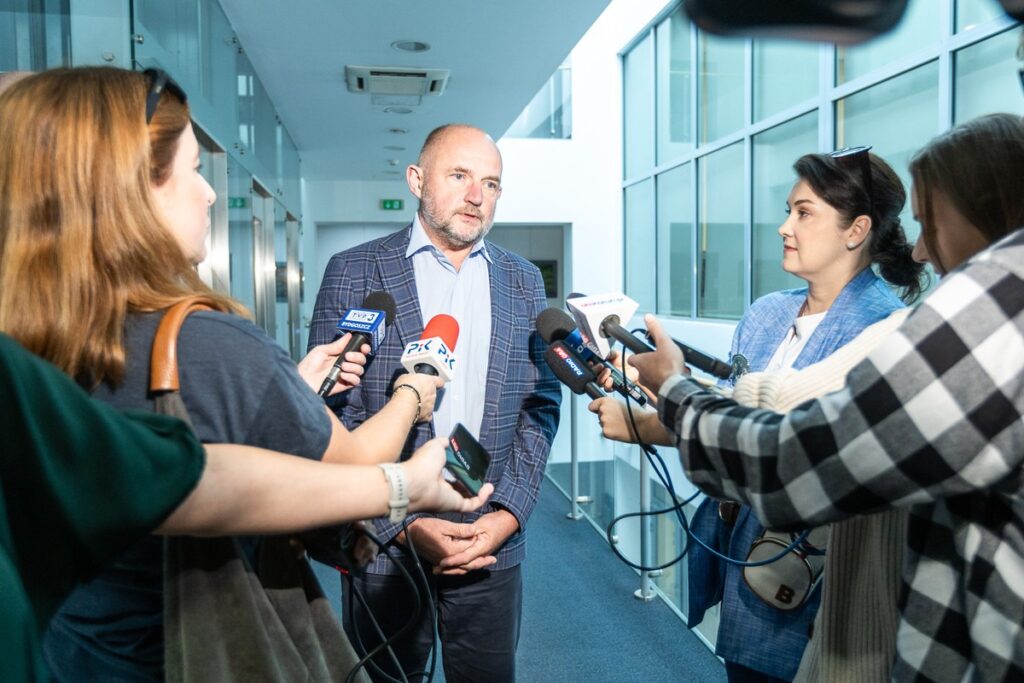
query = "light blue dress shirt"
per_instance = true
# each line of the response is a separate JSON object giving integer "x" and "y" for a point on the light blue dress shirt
{"x": 464, "y": 294}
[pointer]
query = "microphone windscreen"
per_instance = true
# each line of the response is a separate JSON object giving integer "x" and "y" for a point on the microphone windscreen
{"x": 443, "y": 326}
{"x": 381, "y": 301}
{"x": 554, "y": 324}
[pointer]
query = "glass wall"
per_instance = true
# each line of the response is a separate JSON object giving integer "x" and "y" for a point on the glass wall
{"x": 775, "y": 151}
{"x": 34, "y": 34}
{"x": 720, "y": 234}
{"x": 717, "y": 123}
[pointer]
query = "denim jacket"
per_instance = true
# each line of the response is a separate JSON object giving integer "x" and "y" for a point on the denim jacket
{"x": 750, "y": 632}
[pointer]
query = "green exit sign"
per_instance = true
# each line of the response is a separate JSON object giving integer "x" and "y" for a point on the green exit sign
{"x": 392, "y": 204}
{"x": 238, "y": 202}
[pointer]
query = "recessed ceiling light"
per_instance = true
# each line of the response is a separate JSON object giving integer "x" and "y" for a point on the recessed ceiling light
{"x": 410, "y": 46}
{"x": 395, "y": 148}
{"x": 398, "y": 131}
{"x": 397, "y": 110}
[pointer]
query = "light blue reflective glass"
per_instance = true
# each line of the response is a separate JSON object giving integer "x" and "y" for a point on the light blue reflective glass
{"x": 918, "y": 29}
{"x": 675, "y": 241}
{"x": 720, "y": 85}
{"x": 897, "y": 117}
{"x": 640, "y": 244}
{"x": 638, "y": 111}
{"x": 987, "y": 80}
{"x": 970, "y": 13}
{"x": 785, "y": 74}
{"x": 775, "y": 152}
{"x": 241, "y": 243}
{"x": 721, "y": 222}
{"x": 675, "y": 76}
{"x": 34, "y": 34}
{"x": 282, "y": 322}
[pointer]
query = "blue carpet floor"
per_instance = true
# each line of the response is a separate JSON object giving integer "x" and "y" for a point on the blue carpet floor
{"x": 581, "y": 623}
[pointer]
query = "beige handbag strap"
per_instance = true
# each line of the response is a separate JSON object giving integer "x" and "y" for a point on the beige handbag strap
{"x": 163, "y": 365}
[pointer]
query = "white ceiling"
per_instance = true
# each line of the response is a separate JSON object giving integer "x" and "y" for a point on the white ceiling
{"x": 500, "y": 53}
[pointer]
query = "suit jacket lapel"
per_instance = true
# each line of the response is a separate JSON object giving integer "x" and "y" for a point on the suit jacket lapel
{"x": 399, "y": 280}
{"x": 503, "y": 313}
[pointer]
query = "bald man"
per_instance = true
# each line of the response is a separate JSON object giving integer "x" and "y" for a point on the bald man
{"x": 502, "y": 392}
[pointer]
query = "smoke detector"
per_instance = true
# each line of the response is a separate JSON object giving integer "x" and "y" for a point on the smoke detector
{"x": 390, "y": 85}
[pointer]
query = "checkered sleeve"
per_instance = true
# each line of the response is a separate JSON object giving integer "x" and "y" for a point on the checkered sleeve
{"x": 934, "y": 411}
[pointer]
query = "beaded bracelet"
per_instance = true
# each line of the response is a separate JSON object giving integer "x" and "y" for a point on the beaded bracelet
{"x": 419, "y": 400}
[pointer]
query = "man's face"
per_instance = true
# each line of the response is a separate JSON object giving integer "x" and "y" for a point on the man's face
{"x": 458, "y": 187}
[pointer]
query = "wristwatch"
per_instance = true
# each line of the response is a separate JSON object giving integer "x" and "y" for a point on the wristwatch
{"x": 399, "y": 500}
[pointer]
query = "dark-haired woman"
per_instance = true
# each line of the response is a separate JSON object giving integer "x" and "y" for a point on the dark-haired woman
{"x": 843, "y": 219}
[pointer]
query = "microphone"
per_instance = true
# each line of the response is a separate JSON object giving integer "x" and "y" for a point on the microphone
{"x": 367, "y": 325}
{"x": 605, "y": 313}
{"x": 571, "y": 371}
{"x": 706, "y": 363}
{"x": 434, "y": 352}
{"x": 555, "y": 325}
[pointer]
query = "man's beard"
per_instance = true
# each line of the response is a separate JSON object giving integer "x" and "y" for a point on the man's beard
{"x": 443, "y": 228}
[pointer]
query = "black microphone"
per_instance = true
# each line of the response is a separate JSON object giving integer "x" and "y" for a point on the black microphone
{"x": 571, "y": 371}
{"x": 367, "y": 325}
{"x": 556, "y": 325}
{"x": 611, "y": 327}
{"x": 703, "y": 361}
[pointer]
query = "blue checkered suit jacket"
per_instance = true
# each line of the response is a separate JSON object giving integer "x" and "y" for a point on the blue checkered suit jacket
{"x": 522, "y": 398}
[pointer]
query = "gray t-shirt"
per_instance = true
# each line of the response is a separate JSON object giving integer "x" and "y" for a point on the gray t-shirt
{"x": 238, "y": 387}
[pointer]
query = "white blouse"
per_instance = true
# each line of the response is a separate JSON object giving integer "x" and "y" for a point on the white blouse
{"x": 795, "y": 341}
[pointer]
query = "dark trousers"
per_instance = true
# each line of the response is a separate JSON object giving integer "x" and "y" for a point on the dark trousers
{"x": 737, "y": 673}
{"x": 478, "y": 617}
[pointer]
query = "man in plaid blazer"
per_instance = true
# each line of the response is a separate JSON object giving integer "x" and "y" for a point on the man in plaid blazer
{"x": 503, "y": 392}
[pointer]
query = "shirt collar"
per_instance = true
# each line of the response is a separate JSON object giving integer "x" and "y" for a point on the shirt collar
{"x": 420, "y": 241}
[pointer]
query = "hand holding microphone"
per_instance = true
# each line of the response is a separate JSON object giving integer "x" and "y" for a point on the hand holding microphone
{"x": 318, "y": 362}
{"x": 430, "y": 362}
{"x": 367, "y": 326}
{"x": 665, "y": 361}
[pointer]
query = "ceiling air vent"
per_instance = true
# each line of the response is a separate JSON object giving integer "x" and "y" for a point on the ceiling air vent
{"x": 396, "y": 81}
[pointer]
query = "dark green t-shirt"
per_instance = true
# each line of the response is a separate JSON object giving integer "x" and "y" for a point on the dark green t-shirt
{"x": 79, "y": 482}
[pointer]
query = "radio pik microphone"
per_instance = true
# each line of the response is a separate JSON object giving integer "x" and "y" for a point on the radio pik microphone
{"x": 434, "y": 352}
{"x": 555, "y": 325}
{"x": 571, "y": 371}
{"x": 367, "y": 325}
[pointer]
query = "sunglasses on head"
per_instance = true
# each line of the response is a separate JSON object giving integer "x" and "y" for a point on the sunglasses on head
{"x": 848, "y": 156}
{"x": 160, "y": 80}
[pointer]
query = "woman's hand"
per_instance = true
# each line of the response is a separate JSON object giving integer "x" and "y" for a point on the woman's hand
{"x": 426, "y": 387}
{"x": 614, "y": 419}
{"x": 428, "y": 491}
{"x": 318, "y": 362}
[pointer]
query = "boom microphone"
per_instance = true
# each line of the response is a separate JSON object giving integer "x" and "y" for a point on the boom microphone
{"x": 571, "y": 371}
{"x": 367, "y": 325}
{"x": 434, "y": 352}
{"x": 555, "y": 325}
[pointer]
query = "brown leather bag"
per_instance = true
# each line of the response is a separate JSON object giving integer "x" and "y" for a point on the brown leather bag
{"x": 223, "y": 620}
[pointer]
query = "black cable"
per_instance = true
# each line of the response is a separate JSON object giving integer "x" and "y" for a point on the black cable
{"x": 386, "y": 643}
{"x": 666, "y": 480}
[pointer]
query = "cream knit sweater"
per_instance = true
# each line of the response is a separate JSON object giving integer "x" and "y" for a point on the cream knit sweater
{"x": 854, "y": 635}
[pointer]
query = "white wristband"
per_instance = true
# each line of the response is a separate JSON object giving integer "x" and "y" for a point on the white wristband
{"x": 399, "y": 499}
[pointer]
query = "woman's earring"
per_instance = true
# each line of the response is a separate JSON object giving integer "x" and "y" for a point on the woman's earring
{"x": 851, "y": 246}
